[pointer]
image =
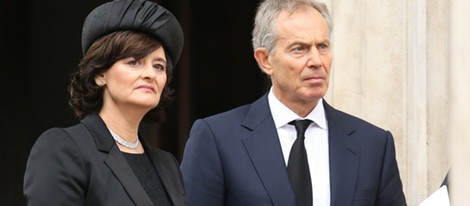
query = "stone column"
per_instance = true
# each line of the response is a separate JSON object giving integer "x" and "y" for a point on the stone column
{"x": 390, "y": 63}
{"x": 459, "y": 102}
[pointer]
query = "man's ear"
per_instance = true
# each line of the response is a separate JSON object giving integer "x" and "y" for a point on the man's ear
{"x": 262, "y": 57}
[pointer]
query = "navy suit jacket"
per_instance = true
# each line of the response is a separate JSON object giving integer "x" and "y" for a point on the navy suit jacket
{"x": 235, "y": 158}
{"x": 82, "y": 165}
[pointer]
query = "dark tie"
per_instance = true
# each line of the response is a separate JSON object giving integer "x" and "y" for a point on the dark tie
{"x": 297, "y": 167}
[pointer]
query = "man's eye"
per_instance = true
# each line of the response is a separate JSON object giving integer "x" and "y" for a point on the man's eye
{"x": 299, "y": 49}
{"x": 323, "y": 46}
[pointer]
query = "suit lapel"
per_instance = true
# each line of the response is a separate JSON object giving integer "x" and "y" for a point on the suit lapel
{"x": 162, "y": 165}
{"x": 116, "y": 160}
{"x": 344, "y": 158}
{"x": 264, "y": 150}
{"x": 118, "y": 165}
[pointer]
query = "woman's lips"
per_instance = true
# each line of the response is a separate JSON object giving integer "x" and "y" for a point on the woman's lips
{"x": 146, "y": 88}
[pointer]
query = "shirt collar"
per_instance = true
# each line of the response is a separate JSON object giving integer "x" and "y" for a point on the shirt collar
{"x": 282, "y": 115}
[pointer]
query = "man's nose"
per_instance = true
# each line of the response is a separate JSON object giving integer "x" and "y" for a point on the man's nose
{"x": 314, "y": 58}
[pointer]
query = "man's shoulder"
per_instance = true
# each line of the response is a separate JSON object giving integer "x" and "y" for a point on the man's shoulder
{"x": 342, "y": 117}
{"x": 233, "y": 113}
{"x": 259, "y": 106}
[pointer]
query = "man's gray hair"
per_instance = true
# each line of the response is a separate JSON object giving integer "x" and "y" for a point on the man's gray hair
{"x": 264, "y": 31}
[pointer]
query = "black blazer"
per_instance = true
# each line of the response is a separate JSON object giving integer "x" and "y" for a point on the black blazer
{"x": 82, "y": 165}
{"x": 235, "y": 158}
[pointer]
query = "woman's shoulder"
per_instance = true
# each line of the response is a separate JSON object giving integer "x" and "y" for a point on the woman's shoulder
{"x": 62, "y": 140}
{"x": 53, "y": 136}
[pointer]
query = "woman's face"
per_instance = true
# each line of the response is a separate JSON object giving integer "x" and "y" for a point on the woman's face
{"x": 134, "y": 84}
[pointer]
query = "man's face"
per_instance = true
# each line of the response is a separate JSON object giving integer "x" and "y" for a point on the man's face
{"x": 301, "y": 61}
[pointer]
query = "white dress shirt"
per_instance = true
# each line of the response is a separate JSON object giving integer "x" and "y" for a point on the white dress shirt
{"x": 316, "y": 144}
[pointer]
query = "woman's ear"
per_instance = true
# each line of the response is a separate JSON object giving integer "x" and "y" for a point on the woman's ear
{"x": 99, "y": 80}
{"x": 262, "y": 57}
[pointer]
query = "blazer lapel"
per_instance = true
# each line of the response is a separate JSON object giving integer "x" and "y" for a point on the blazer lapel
{"x": 344, "y": 158}
{"x": 118, "y": 165}
{"x": 265, "y": 151}
{"x": 116, "y": 160}
{"x": 162, "y": 165}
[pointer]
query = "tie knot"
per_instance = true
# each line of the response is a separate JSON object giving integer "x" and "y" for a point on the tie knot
{"x": 301, "y": 125}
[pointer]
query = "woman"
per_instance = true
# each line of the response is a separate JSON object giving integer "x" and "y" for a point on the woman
{"x": 130, "y": 48}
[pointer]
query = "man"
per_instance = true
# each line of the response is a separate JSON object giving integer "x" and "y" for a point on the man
{"x": 242, "y": 157}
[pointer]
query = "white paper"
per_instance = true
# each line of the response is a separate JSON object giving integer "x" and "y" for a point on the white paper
{"x": 438, "y": 198}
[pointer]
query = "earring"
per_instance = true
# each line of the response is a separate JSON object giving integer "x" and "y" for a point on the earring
{"x": 100, "y": 83}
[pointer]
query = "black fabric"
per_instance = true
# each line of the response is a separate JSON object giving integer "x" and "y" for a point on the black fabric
{"x": 139, "y": 15}
{"x": 149, "y": 178}
{"x": 297, "y": 167}
{"x": 82, "y": 165}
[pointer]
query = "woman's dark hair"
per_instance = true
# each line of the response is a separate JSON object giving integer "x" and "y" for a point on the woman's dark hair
{"x": 86, "y": 96}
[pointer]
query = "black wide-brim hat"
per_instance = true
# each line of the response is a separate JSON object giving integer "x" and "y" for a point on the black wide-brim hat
{"x": 137, "y": 15}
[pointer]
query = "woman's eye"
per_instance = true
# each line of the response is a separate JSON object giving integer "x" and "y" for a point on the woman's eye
{"x": 159, "y": 67}
{"x": 133, "y": 62}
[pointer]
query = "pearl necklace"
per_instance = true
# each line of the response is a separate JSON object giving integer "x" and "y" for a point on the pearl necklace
{"x": 124, "y": 142}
